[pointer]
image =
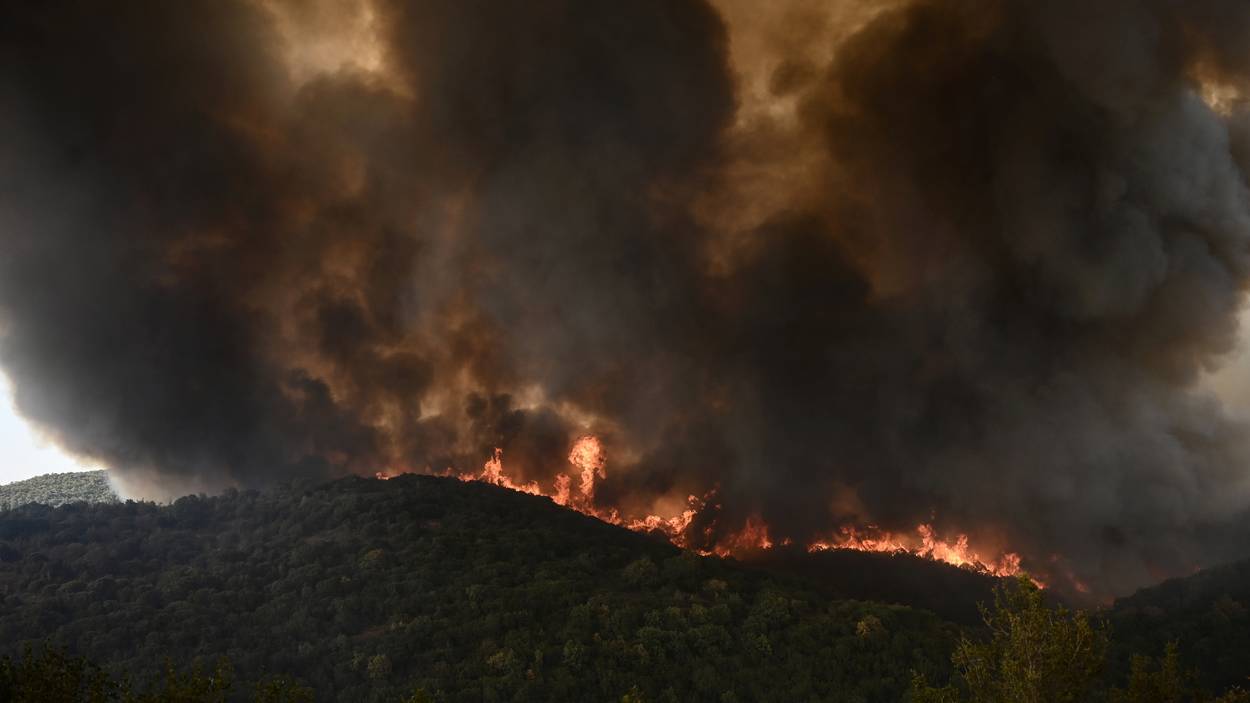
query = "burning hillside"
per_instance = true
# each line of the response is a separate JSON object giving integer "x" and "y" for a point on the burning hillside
{"x": 936, "y": 275}
{"x": 589, "y": 458}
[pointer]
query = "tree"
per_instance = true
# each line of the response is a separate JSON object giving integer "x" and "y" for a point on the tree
{"x": 1034, "y": 654}
{"x": 419, "y": 696}
{"x": 51, "y": 675}
{"x": 280, "y": 689}
{"x": 1164, "y": 682}
{"x": 193, "y": 687}
{"x": 1147, "y": 683}
{"x": 379, "y": 667}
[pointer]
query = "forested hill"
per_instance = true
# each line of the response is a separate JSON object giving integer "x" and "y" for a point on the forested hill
{"x": 369, "y": 590}
{"x": 1206, "y": 614}
{"x": 59, "y": 489}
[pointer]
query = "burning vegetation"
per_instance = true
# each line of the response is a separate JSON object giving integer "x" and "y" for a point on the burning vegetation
{"x": 589, "y": 458}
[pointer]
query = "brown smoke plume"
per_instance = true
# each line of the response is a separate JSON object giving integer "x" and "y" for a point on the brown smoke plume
{"x": 955, "y": 262}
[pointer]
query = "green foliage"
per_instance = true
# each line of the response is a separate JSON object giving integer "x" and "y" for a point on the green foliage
{"x": 419, "y": 696}
{"x": 1166, "y": 681}
{"x": 379, "y": 666}
{"x": 641, "y": 573}
{"x": 40, "y": 675}
{"x": 423, "y": 589}
{"x": 1207, "y": 614}
{"x": 368, "y": 590}
{"x": 1033, "y": 654}
{"x": 951, "y": 592}
{"x": 59, "y": 489}
{"x": 869, "y": 627}
{"x": 922, "y": 692}
{"x": 195, "y": 686}
{"x": 1149, "y": 682}
{"x": 280, "y": 689}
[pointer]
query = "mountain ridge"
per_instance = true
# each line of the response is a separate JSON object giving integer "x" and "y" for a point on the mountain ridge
{"x": 365, "y": 589}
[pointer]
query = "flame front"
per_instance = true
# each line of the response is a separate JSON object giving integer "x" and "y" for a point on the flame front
{"x": 589, "y": 461}
{"x": 925, "y": 543}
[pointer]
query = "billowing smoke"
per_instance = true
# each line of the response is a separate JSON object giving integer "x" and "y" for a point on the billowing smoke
{"x": 956, "y": 262}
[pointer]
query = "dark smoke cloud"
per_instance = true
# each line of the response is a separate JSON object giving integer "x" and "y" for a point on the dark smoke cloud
{"x": 974, "y": 281}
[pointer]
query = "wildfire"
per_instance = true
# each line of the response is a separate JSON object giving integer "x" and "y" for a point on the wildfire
{"x": 925, "y": 544}
{"x": 753, "y": 536}
{"x": 674, "y": 526}
{"x": 588, "y": 456}
{"x": 492, "y": 472}
{"x": 589, "y": 460}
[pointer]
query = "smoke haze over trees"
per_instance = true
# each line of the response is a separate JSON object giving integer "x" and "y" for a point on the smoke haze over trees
{"x": 874, "y": 263}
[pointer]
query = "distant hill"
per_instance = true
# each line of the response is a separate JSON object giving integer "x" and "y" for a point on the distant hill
{"x": 366, "y": 590}
{"x": 59, "y": 489}
{"x": 1207, "y": 614}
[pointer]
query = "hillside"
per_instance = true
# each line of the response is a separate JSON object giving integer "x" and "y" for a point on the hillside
{"x": 365, "y": 590}
{"x": 949, "y": 591}
{"x": 1207, "y": 614}
{"x": 59, "y": 489}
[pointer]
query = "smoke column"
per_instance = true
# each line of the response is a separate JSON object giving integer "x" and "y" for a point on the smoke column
{"x": 842, "y": 264}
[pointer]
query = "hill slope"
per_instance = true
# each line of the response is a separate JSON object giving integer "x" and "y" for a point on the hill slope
{"x": 59, "y": 489}
{"x": 1207, "y": 614}
{"x": 949, "y": 591}
{"x": 365, "y": 589}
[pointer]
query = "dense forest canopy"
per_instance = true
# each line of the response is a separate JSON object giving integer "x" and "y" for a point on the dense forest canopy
{"x": 370, "y": 590}
{"x": 365, "y": 589}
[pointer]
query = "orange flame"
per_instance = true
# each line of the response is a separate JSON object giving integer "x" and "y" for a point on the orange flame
{"x": 492, "y": 472}
{"x": 674, "y": 527}
{"x": 926, "y": 545}
{"x": 752, "y": 537}
{"x": 561, "y": 496}
{"x": 588, "y": 457}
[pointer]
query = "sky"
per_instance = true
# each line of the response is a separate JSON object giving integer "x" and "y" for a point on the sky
{"x": 22, "y": 453}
